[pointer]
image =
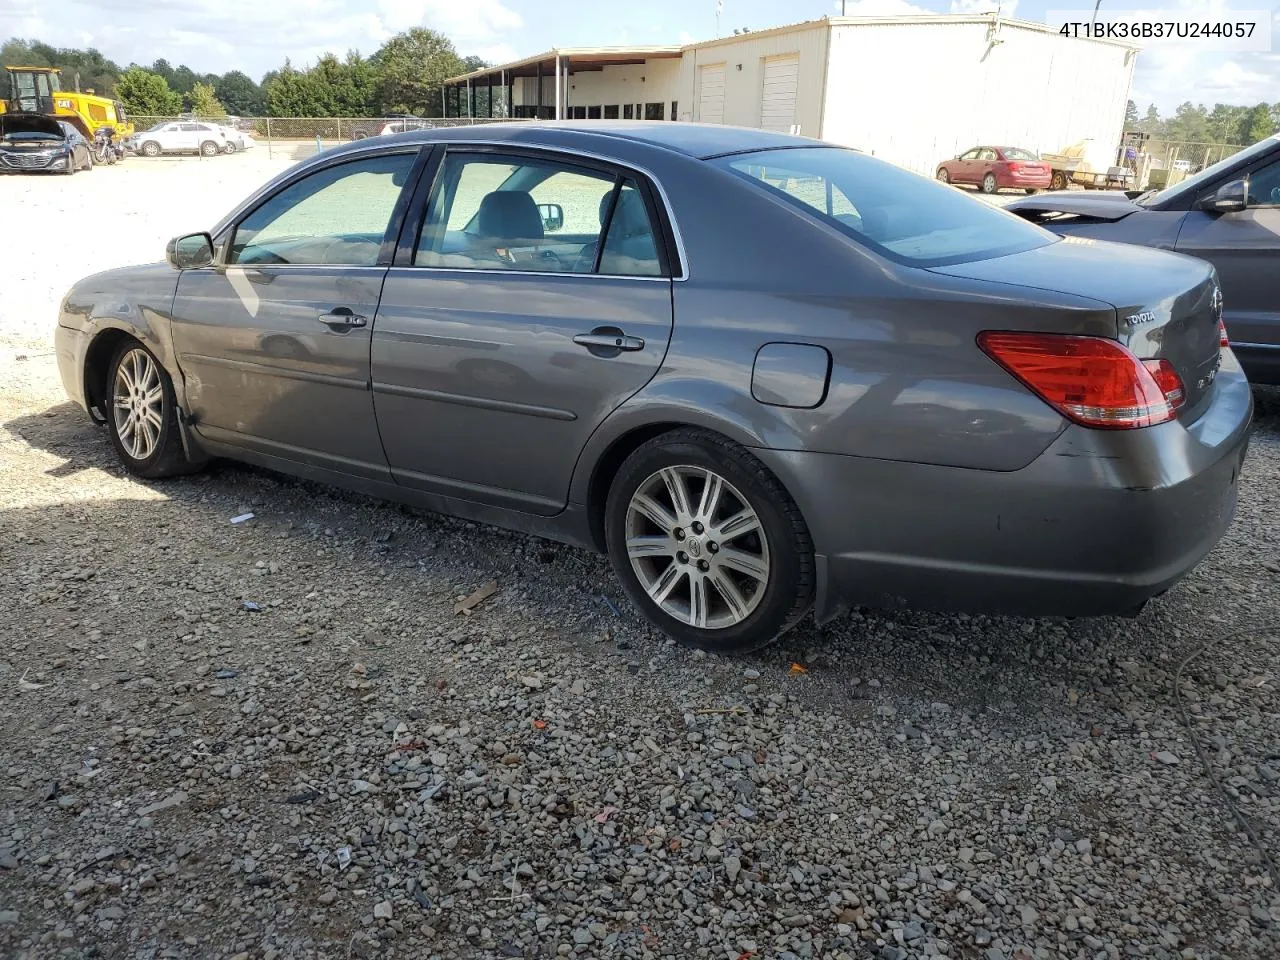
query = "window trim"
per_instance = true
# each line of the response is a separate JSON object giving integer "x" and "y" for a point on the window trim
{"x": 671, "y": 249}
{"x": 225, "y": 236}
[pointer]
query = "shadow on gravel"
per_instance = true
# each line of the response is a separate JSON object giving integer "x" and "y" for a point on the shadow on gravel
{"x": 1017, "y": 668}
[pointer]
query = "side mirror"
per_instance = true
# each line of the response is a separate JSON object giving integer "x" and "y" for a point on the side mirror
{"x": 190, "y": 252}
{"x": 1230, "y": 198}
{"x": 552, "y": 216}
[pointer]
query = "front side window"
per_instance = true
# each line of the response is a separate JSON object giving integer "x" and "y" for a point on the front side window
{"x": 972, "y": 154}
{"x": 492, "y": 212}
{"x": 1264, "y": 186}
{"x": 909, "y": 218}
{"x": 339, "y": 215}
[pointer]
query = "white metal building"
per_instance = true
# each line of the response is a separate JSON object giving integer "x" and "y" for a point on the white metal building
{"x": 914, "y": 90}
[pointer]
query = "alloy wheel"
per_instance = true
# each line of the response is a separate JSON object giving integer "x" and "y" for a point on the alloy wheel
{"x": 137, "y": 403}
{"x": 697, "y": 547}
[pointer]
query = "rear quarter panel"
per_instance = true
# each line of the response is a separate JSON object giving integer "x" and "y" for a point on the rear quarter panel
{"x": 907, "y": 381}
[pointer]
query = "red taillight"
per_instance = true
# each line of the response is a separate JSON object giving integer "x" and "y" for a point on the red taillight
{"x": 1015, "y": 166}
{"x": 1093, "y": 381}
{"x": 1222, "y": 335}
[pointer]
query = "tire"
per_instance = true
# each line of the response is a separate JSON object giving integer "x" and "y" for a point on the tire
{"x": 70, "y": 169}
{"x": 989, "y": 184}
{"x": 943, "y": 176}
{"x": 152, "y": 418}
{"x": 209, "y": 149}
{"x": 1058, "y": 181}
{"x": 1031, "y": 191}
{"x": 151, "y": 149}
{"x": 752, "y": 609}
{"x": 229, "y": 148}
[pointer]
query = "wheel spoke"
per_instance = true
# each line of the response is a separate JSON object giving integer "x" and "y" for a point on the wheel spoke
{"x": 124, "y": 378}
{"x": 661, "y": 588}
{"x": 147, "y": 439}
{"x": 739, "y": 525}
{"x": 153, "y": 396}
{"x": 753, "y": 566}
{"x": 710, "y": 502}
{"x": 151, "y": 416}
{"x": 699, "y": 605}
{"x": 654, "y": 512}
{"x": 122, "y": 403}
{"x": 733, "y": 598}
{"x": 678, "y": 493}
{"x": 640, "y": 547}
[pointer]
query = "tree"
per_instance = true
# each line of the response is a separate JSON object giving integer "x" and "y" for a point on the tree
{"x": 204, "y": 102}
{"x": 1131, "y": 118}
{"x": 1256, "y": 124}
{"x": 184, "y": 78}
{"x": 294, "y": 93}
{"x": 87, "y": 68}
{"x": 413, "y": 66}
{"x": 146, "y": 94}
{"x": 1190, "y": 124}
{"x": 240, "y": 95}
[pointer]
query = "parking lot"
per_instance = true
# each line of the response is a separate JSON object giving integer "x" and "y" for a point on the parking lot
{"x": 279, "y": 738}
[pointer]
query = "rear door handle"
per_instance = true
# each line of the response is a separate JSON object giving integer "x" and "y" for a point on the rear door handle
{"x": 342, "y": 318}
{"x": 609, "y": 341}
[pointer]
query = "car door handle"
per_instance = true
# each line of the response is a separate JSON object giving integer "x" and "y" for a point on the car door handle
{"x": 342, "y": 318}
{"x": 608, "y": 341}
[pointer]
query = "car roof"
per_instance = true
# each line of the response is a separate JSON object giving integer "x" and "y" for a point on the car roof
{"x": 701, "y": 140}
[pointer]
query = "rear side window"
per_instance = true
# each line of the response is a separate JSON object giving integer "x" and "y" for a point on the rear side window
{"x": 1017, "y": 153}
{"x": 908, "y": 218}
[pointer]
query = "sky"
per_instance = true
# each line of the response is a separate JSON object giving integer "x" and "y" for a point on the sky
{"x": 214, "y": 36}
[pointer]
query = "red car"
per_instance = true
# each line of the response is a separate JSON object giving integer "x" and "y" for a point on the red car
{"x": 998, "y": 168}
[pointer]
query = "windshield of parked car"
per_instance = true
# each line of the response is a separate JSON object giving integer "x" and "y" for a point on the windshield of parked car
{"x": 908, "y": 218}
{"x": 1194, "y": 184}
{"x": 1017, "y": 153}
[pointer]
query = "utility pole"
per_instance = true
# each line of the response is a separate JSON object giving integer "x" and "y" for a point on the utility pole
{"x": 719, "y": 10}
{"x": 844, "y": 8}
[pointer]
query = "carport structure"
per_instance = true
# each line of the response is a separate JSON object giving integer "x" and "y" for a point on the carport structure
{"x": 541, "y": 86}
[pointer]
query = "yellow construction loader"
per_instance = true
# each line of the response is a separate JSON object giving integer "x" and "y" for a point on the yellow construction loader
{"x": 39, "y": 90}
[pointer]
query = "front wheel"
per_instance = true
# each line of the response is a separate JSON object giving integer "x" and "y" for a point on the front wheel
{"x": 209, "y": 149}
{"x": 707, "y": 543}
{"x": 944, "y": 176}
{"x": 229, "y": 147}
{"x": 143, "y": 415}
{"x": 151, "y": 149}
{"x": 989, "y": 183}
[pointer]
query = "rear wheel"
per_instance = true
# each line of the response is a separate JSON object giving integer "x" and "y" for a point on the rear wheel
{"x": 1059, "y": 181}
{"x": 989, "y": 183}
{"x": 1031, "y": 190}
{"x": 209, "y": 149}
{"x": 143, "y": 414}
{"x": 707, "y": 543}
{"x": 151, "y": 149}
{"x": 943, "y": 176}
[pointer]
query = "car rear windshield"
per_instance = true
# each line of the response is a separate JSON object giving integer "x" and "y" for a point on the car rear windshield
{"x": 1017, "y": 153}
{"x": 906, "y": 217}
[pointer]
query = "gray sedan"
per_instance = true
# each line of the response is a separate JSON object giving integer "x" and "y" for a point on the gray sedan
{"x": 765, "y": 374}
{"x": 1228, "y": 214}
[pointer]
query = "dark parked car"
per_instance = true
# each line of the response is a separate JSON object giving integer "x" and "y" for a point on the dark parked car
{"x": 765, "y": 374}
{"x": 35, "y": 143}
{"x": 997, "y": 168}
{"x": 1228, "y": 214}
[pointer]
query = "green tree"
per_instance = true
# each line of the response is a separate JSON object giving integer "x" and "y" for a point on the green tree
{"x": 1131, "y": 118}
{"x": 412, "y": 66}
{"x": 146, "y": 94}
{"x": 184, "y": 78}
{"x": 1190, "y": 124}
{"x": 204, "y": 102}
{"x": 1255, "y": 124}
{"x": 1151, "y": 123}
{"x": 87, "y": 68}
{"x": 294, "y": 93}
{"x": 240, "y": 95}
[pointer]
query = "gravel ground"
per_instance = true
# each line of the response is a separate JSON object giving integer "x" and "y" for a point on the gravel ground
{"x": 279, "y": 739}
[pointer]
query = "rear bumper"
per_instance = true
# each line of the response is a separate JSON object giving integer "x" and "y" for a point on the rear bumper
{"x": 1097, "y": 525}
{"x": 1037, "y": 181}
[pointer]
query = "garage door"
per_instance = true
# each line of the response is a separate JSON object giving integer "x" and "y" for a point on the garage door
{"x": 711, "y": 94}
{"x": 778, "y": 100}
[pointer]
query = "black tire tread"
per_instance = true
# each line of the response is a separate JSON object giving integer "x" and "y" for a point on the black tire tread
{"x": 805, "y": 585}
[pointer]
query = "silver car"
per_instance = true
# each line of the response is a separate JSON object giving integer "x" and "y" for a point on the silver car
{"x": 766, "y": 375}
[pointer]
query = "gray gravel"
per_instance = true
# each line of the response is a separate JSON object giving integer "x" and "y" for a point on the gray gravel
{"x": 354, "y": 769}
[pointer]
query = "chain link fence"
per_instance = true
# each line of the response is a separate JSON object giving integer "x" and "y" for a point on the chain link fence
{"x": 1163, "y": 163}
{"x": 301, "y": 136}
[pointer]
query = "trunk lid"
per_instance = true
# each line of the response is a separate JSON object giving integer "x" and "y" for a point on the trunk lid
{"x": 1167, "y": 305}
